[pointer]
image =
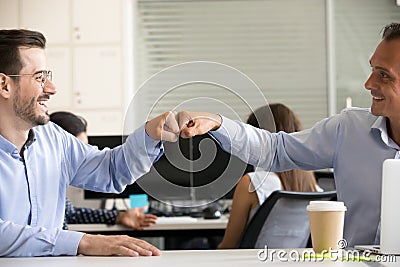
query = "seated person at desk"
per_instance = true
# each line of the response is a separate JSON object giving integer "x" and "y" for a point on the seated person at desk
{"x": 39, "y": 160}
{"x": 255, "y": 187}
{"x": 134, "y": 218}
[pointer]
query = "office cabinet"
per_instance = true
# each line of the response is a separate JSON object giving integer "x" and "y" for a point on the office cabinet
{"x": 97, "y": 77}
{"x": 96, "y": 21}
{"x": 79, "y": 21}
{"x": 60, "y": 62}
{"x": 8, "y": 14}
{"x": 43, "y": 15}
{"x": 86, "y": 53}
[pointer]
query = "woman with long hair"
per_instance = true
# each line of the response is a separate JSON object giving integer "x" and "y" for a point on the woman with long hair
{"x": 255, "y": 187}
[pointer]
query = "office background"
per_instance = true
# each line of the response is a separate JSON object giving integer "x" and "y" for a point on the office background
{"x": 311, "y": 55}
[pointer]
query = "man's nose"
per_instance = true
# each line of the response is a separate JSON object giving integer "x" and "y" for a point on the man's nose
{"x": 49, "y": 87}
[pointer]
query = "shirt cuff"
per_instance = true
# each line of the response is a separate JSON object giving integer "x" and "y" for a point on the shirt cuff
{"x": 140, "y": 152}
{"x": 224, "y": 134}
{"x": 67, "y": 243}
{"x": 154, "y": 147}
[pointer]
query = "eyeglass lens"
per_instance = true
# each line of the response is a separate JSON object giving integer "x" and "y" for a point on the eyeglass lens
{"x": 45, "y": 75}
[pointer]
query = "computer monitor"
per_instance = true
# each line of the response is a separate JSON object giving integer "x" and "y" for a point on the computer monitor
{"x": 111, "y": 141}
{"x": 193, "y": 169}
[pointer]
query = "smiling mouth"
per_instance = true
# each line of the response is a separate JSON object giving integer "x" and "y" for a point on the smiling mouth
{"x": 42, "y": 100}
{"x": 378, "y": 98}
{"x": 42, "y": 103}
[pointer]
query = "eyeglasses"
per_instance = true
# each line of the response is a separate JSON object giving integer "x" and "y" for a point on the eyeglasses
{"x": 41, "y": 76}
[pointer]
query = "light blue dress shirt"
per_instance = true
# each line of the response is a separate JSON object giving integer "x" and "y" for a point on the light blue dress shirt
{"x": 355, "y": 143}
{"x": 33, "y": 187}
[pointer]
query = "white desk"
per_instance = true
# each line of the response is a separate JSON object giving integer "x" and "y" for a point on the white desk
{"x": 172, "y": 229}
{"x": 192, "y": 258}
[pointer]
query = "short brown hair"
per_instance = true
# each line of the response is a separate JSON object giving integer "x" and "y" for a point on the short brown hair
{"x": 391, "y": 31}
{"x": 11, "y": 41}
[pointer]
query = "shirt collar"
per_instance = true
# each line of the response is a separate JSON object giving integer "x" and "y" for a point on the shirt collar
{"x": 31, "y": 138}
{"x": 9, "y": 147}
{"x": 380, "y": 124}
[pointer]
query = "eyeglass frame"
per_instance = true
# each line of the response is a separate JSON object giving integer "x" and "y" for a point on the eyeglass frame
{"x": 45, "y": 75}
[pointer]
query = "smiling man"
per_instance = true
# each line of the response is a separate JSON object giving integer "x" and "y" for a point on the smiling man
{"x": 384, "y": 81}
{"x": 38, "y": 160}
{"x": 355, "y": 142}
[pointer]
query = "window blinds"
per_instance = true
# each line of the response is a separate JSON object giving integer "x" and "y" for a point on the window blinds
{"x": 358, "y": 24}
{"x": 281, "y": 47}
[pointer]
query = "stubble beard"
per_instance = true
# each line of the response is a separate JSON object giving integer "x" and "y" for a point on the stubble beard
{"x": 26, "y": 111}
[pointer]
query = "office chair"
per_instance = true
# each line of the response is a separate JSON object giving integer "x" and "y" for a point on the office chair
{"x": 282, "y": 220}
{"x": 325, "y": 179}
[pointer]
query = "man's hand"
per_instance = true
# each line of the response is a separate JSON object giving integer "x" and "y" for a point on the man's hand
{"x": 135, "y": 218}
{"x": 164, "y": 127}
{"x": 194, "y": 123}
{"x": 102, "y": 245}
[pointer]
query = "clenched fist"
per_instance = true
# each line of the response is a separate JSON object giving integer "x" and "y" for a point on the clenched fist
{"x": 192, "y": 123}
{"x": 164, "y": 127}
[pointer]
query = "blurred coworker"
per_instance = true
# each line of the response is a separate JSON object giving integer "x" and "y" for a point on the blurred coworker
{"x": 255, "y": 187}
{"x": 134, "y": 218}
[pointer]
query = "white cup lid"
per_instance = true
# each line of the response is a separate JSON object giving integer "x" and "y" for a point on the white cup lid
{"x": 326, "y": 206}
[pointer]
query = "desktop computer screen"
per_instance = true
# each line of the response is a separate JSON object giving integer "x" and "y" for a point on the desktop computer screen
{"x": 193, "y": 169}
{"x": 111, "y": 141}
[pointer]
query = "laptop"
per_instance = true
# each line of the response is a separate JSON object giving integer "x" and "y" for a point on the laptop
{"x": 390, "y": 212}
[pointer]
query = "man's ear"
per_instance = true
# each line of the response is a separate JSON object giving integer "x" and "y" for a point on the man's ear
{"x": 4, "y": 85}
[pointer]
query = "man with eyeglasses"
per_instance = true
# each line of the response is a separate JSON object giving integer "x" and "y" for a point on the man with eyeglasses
{"x": 38, "y": 160}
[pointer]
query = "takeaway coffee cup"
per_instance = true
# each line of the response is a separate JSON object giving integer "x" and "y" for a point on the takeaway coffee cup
{"x": 326, "y": 224}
